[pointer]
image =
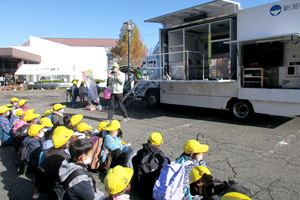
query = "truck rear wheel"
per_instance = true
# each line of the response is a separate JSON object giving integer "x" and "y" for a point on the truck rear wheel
{"x": 152, "y": 98}
{"x": 241, "y": 109}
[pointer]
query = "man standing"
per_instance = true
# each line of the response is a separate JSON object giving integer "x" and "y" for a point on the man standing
{"x": 116, "y": 81}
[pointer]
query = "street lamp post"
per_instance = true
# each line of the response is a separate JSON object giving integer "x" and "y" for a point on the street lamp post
{"x": 129, "y": 27}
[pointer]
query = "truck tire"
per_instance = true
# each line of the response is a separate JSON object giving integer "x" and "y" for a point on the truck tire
{"x": 152, "y": 98}
{"x": 241, "y": 109}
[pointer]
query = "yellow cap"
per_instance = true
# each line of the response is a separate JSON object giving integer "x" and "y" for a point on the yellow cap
{"x": 135, "y": 68}
{"x": 197, "y": 173}
{"x": 193, "y": 146}
{"x": 75, "y": 119}
{"x": 45, "y": 121}
{"x": 14, "y": 99}
{"x": 102, "y": 126}
{"x": 235, "y": 196}
{"x": 29, "y": 111}
{"x": 34, "y": 129}
{"x": 3, "y": 109}
{"x": 48, "y": 112}
{"x": 83, "y": 127}
{"x": 82, "y": 82}
{"x": 22, "y": 102}
{"x": 75, "y": 82}
{"x": 58, "y": 106}
{"x": 113, "y": 125}
{"x": 117, "y": 179}
{"x": 156, "y": 138}
{"x": 61, "y": 135}
{"x": 115, "y": 65}
{"x": 30, "y": 116}
{"x": 19, "y": 112}
{"x": 8, "y": 105}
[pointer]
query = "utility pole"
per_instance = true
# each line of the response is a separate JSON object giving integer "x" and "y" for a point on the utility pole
{"x": 129, "y": 27}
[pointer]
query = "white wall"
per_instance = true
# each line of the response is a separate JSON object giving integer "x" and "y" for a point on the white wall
{"x": 258, "y": 21}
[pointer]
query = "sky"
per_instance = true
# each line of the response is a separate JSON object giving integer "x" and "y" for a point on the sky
{"x": 20, "y": 19}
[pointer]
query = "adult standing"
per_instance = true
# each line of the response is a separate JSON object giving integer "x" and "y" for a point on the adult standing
{"x": 75, "y": 93}
{"x": 116, "y": 82}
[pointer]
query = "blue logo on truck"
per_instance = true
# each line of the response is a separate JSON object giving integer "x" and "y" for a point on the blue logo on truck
{"x": 275, "y": 10}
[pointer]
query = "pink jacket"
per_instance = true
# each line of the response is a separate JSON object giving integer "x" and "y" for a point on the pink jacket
{"x": 18, "y": 125}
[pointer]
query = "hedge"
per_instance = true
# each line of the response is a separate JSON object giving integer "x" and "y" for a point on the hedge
{"x": 50, "y": 81}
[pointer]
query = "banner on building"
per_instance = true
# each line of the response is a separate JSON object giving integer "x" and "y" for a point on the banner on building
{"x": 91, "y": 85}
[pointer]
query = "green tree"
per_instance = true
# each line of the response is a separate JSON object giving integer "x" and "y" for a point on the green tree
{"x": 138, "y": 49}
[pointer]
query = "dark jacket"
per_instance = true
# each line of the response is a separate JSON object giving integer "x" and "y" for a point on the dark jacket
{"x": 57, "y": 119}
{"x": 34, "y": 150}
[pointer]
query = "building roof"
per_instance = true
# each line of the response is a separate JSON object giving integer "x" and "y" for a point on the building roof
{"x": 13, "y": 53}
{"x": 82, "y": 42}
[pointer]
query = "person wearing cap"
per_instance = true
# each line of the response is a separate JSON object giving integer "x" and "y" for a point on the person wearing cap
{"x": 20, "y": 115}
{"x": 46, "y": 122}
{"x": 117, "y": 182}
{"x": 53, "y": 157}
{"x": 235, "y": 196}
{"x": 5, "y": 127}
{"x": 145, "y": 181}
{"x": 82, "y": 93}
{"x": 48, "y": 113}
{"x": 100, "y": 132}
{"x": 14, "y": 101}
{"x": 83, "y": 131}
{"x": 112, "y": 143}
{"x": 204, "y": 186}
{"x": 75, "y": 121}
{"x": 81, "y": 187}
{"x": 16, "y": 117}
{"x": 30, "y": 118}
{"x": 116, "y": 82}
{"x": 35, "y": 140}
{"x": 57, "y": 115}
{"x": 192, "y": 156}
{"x": 75, "y": 93}
{"x": 23, "y": 104}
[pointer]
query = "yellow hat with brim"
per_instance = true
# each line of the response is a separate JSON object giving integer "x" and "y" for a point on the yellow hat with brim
{"x": 197, "y": 172}
{"x": 22, "y": 102}
{"x": 113, "y": 125}
{"x": 29, "y": 111}
{"x": 117, "y": 179}
{"x": 48, "y": 112}
{"x": 3, "y": 109}
{"x": 115, "y": 65}
{"x": 235, "y": 196}
{"x": 82, "y": 82}
{"x": 61, "y": 136}
{"x": 83, "y": 127}
{"x": 34, "y": 129}
{"x": 30, "y": 116}
{"x": 8, "y": 105}
{"x": 19, "y": 113}
{"x": 58, "y": 106}
{"x": 75, "y": 119}
{"x": 156, "y": 138}
{"x": 75, "y": 82}
{"x": 193, "y": 146}
{"x": 14, "y": 99}
{"x": 102, "y": 126}
{"x": 45, "y": 121}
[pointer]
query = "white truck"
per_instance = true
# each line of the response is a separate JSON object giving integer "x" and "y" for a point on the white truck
{"x": 217, "y": 55}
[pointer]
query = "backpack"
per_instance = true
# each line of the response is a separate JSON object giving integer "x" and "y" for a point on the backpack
{"x": 149, "y": 163}
{"x": 220, "y": 188}
{"x": 20, "y": 135}
{"x": 106, "y": 93}
{"x": 96, "y": 149}
{"x": 45, "y": 184}
{"x": 170, "y": 183}
{"x": 22, "y": 158}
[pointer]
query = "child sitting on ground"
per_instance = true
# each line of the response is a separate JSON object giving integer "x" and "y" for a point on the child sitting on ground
{"x": 46, "y": 122}
{"x": 81, "y": 187}
{"x": 148, "y": 163}
{"x": 23, "y": 104}
{"x": 117, "y": 182}
{"x": 83, "y": 131}
{"x": 99, "y": 133}
{"x": 112, "y": 146}
{"x": 191, "y": 157}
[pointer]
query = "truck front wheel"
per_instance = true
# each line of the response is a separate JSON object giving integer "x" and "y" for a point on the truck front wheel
{"x": 241, "y": 109}
{"x": 152, "y": 98}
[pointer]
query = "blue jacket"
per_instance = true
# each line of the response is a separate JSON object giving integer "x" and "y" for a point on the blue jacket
{"x": 5, "y": 128}
{"x": 111, "y": 143}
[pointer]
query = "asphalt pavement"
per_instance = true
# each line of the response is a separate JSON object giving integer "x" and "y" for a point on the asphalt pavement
{"x": 262, "y": 154}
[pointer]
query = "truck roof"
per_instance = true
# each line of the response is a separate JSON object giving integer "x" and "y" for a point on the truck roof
{"x": 210, "y": 10}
